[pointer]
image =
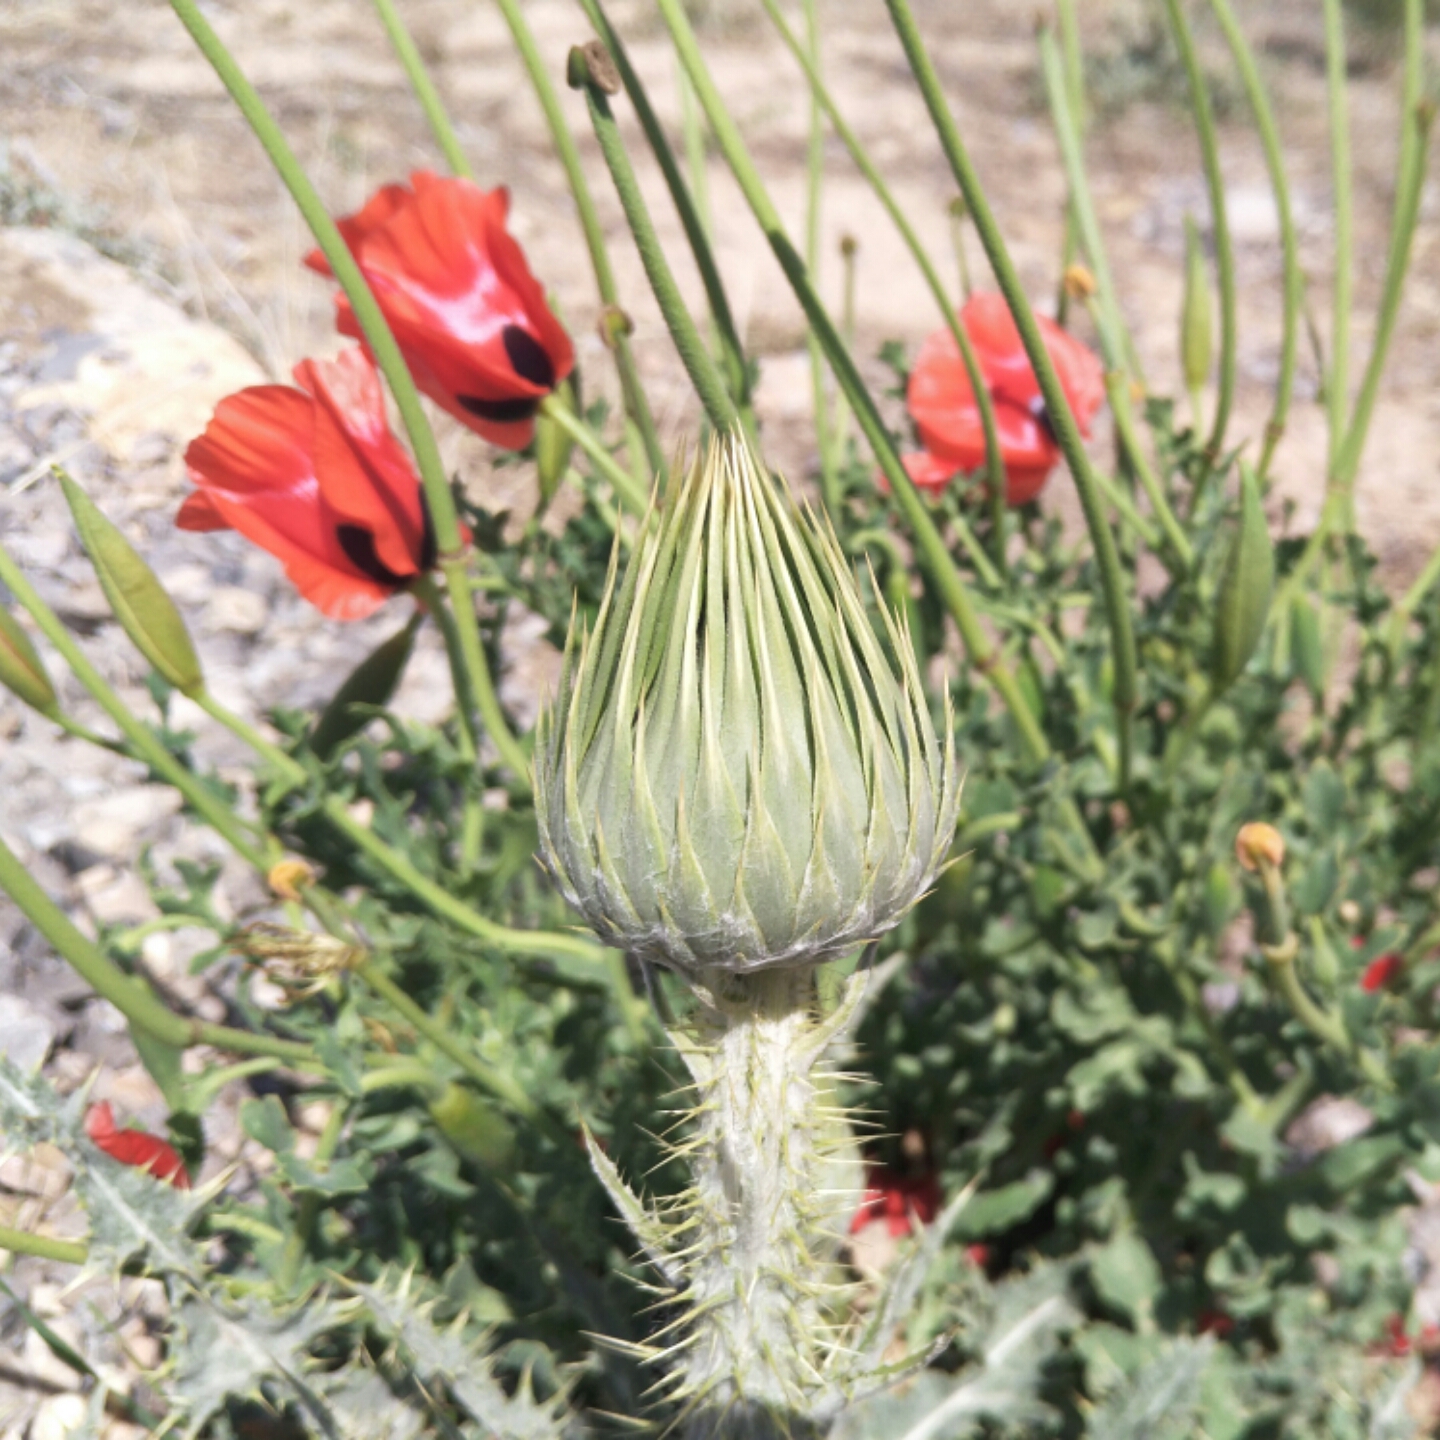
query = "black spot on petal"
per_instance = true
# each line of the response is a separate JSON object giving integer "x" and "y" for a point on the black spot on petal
{"x": 501, "y": 412}
{"x": 359, "y": 547}
{"x": 528, "y": 357}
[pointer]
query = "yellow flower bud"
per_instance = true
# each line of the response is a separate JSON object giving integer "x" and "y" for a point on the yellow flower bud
{"x": 1259, "y": 844}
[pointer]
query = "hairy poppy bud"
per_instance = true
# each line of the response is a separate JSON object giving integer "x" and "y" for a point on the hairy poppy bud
{"x": 736, "y": 773}
{"x": 21, "y": 669}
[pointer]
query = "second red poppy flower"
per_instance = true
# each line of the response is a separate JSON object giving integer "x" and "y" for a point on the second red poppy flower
{"x": 947, "y": 416}
{"x": 454, "y": 287}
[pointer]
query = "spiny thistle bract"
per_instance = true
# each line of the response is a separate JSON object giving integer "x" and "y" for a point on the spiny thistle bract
{"x": 736, "y": 774}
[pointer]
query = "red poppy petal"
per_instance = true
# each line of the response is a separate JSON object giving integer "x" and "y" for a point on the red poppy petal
{"x": 363, "y": 473}
{"x": 136, "y": 1147}
{"x": 100, "y": 1121}
{"x": 927, "y": 471}
{"x": 198, "y": 512}
{"x": 353, "y": 228}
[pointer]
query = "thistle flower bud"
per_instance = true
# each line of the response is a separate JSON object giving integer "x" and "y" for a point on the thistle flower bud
{"x": 737, "y": 773}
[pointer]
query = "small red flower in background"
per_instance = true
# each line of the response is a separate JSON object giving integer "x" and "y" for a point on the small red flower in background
{"x": 315, "y": 477}
{"x": 1214, "y": 1322}
{"x": 893, "y": 1198}
{"x": 469, "y": 317}
{"x": 1380, "y": 972}
{"x": 945, "y": 412}
{"x": 135, "y": 1147}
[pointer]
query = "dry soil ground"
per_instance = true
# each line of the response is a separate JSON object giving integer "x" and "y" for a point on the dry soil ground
{"x": 114, "y": 131}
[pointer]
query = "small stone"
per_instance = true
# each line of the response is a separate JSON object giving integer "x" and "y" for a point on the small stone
{"x": 25, "y": 1034}
{"x": 116, "y": 898}
{"x": 113, "y": 824}
{"x": 1328, "y": 1121}
{"x": 241, "y": 612}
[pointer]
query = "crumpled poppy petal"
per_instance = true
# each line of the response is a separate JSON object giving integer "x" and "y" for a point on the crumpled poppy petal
{"x": 468, "y": 315}
{"x": 135, "y": 1147}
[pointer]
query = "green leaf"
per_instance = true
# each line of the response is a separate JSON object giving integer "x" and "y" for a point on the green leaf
{"x": 1162, "y": 1399}
{"x": 1126, "y": 1276}
{"x": 266, "y": 1123}
{"x": 1245, "y": 587}
{"x": 368, "y": 687}
{"x": 145, "y": 612}
{"x": 994, "y": 1211}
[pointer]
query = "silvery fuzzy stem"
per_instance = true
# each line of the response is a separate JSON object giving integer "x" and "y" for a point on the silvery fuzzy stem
{"x": 770, "y": 1189}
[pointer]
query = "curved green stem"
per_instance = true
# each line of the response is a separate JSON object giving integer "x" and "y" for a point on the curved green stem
{"x": 1416, "y": 117}
{"x": 128, "y": 993}
{"x": 398, "y": 867}
{"x": 142, "y": 740}
{"x": 382, "y": 345}
{"x": 1114, "y": 336}
{"x": 994, "y": 460}
{"x": 424, "y": 88}
{"x": 622, "y": 482}
{"x": 830, "y": 491}
{"x": 44, "y": 1247}
{"x": 1057, "y": 405}
{"x": 1204, "y": 114}
{"x": 1294, "y": 280}
{"x": 696, "y": 358}
{"x": 1117, "y": 388}
{"x": 1338, "y": 372}
{"x": 737, "y": 372}
{"x": 934, "y": 553}
{"x": 637, "y": 406}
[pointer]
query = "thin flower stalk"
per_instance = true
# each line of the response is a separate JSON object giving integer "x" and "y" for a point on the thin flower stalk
{"x": 43, "y": 1247}
{"x": 1122, "y": 636}
{"x": 690, "y": 208}
{"x": 694, "y": 355}
{"x": 1337, "y": 372}
{"x": 1204, "y": 116}
{"x": 994, "y": 460}
{"x": 408, "y": 54}
{"x": 130, "y": 995}
{"x": 1294, "y": 279}
{"x": 628, "y": 490}
{"x": 814, "y": 194}
{"x": 1115, "y": 338}
{"x": 637, "y": 406}
{"x": 387, "y": 355}
{"x": 142, "y": 741}
{"x": 1117, "y": 388}
{"x": 934, "y": 551}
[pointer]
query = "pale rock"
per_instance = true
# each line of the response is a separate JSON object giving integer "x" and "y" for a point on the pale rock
{"x": 116, "y": 898}
{"x": 43, "y": 1365}
{"x": 114, "y": 823}
{"x": 1328, "y": 1121}
{"x": 26, "y": 1035}
{"x": 241, "y": 612}
{"x": 1252, "y": 216}
{"x": 59, "y": 1416}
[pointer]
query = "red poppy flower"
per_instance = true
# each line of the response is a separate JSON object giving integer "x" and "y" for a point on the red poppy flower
{"x": 469, "y": 317}
{"x": 894, "y": 1198}
{"x": 943, "y": 405}
{"x": 135, "y": 1147}
{"x": 1380, "y": 972}
{"x": 315, "y": 477}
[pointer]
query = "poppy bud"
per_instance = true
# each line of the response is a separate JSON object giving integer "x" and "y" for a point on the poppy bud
{"x": 553, "y": 446}
{"x": 137, "y": 598}
{"x": 474, "y": 1127}
{"x": 287, "y": 878}
{"x": 1258, "y": 844}
{"x": 1243, "y": 604}
{"x": 1079, "y": 282}
{"x": 21, "y": 669}
{"x": 736, "y": 773}
{"x": 1195, "y": 323}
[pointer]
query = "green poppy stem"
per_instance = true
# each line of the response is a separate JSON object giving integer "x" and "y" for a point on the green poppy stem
{"x": 934, "y": 552}
{"x": 143, "y": 743}
{"x": 1294, "y": 280}
{"x": 994, "y": 460}
{"x": 637, "y": 406}
{"x": 129, "y": 994}
{"x": 424, "y": 88}
{"x": 694, "y": 355}
{"x": 440, "y": 501}
{"x": 1057, "y": 405}
{"x": 1337, "y": 372}
{"x": 830, "y": 489}
{"x": 732, "y": 352}
{"x": 43, "y": 1247}
{"x": 1204, "y": 116}
{"x": 1416, "y": 117}
{"x": 1115, "y": 339}
{"x": 627, "y": 489}
{"x": 515, "y": 942}
{"x": 1117, "y": 389}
